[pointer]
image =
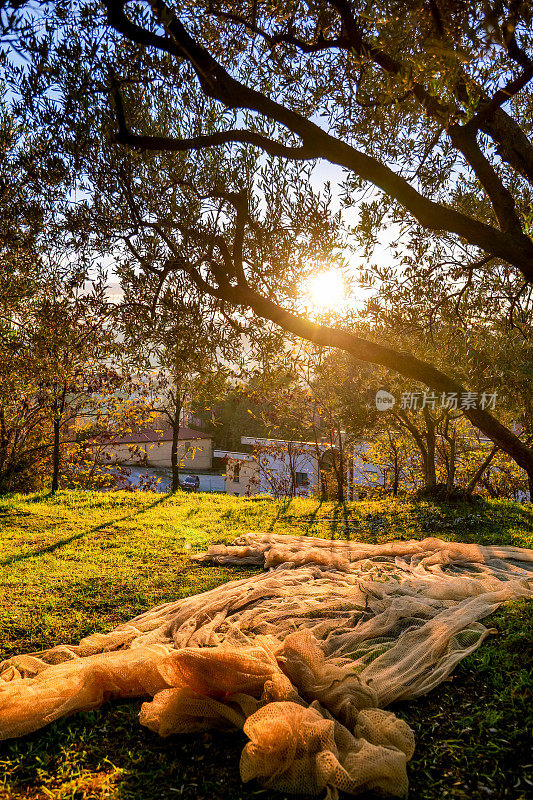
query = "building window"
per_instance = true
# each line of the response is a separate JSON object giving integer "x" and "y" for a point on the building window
{"x": 236, "y": 473}
{"x": 301, "y": 479}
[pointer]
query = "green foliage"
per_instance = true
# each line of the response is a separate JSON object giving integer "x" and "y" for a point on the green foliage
{"x": 200, "y": 209}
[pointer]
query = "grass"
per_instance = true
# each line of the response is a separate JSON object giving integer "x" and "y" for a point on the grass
{"x": 82, "y": 562}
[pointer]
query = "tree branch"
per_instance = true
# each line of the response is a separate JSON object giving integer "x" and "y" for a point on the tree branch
{"x": 478, "y": 474}
{"x": 502, "y": 96}
{"x": 282, "y": 38}
{"x": 177, "y": 145}
{"x": 389, "y": 64}
{"x": 464, "y": 138}
{"x": 399, "y": 361}
{"x": 217, "y": 83}
{"x": 512, "y": 144}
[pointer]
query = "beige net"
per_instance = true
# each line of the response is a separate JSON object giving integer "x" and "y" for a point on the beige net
{"x": 303, "y": 657}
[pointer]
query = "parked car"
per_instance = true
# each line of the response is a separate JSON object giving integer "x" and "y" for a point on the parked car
{"x": 190, "y": 483}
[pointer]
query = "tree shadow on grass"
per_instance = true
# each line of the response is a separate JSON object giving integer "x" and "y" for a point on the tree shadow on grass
{"x": 108, "y": 753}
{"x": 311, "y": 519}
{"x": 40, "y": 498}
{"x": 340, "y": 522}
{"x": 62, "y": 542}
{"x": 282, "y": 512}
{"x": 307, "y": 521}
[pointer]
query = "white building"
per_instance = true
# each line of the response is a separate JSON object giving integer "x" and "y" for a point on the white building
{"x": 279, "y": 467}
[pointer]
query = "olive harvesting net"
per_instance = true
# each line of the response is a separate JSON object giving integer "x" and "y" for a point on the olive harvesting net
{"x": 304, "y": 657}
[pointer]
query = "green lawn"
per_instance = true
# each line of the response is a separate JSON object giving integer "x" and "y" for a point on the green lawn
{"x": 83, "y": 562}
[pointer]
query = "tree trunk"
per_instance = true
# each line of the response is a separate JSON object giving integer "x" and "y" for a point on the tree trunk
{"x": 478, "y": 474}
{"x": 396, "y": 479}
{"x": 350, "y": 488}
{"x": 174, "y": 460}
{"x": 340, "y": 474}
{"x": 174, "y": 453}
{"x": 55, "y": 456}
{"x": 323, "y": 482}
{"x": 3, "y": 440}
{"x": 450, "y": 478}
{"x": 431, "y": 474}
{"x": 340, "y": 490}
{"x": 426, "y": 445}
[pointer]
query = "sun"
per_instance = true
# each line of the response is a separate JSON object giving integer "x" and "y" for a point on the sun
{"x": 326, "y": 291}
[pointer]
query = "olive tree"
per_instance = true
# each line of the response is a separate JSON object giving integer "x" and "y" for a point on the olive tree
{"x": 428, "y": 104}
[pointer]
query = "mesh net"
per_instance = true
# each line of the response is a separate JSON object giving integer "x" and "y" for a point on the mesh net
{"x": 303, "y": 657}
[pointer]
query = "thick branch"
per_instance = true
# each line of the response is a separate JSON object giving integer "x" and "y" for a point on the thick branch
{"x": 512, "y": 144}
{"x": 176, "y": 145}
{"x": 465, "y": 140}
{"x": 503, "y": 95}
{"x": 498, "y": 194}
{"x": 515, "y": 148}
{"x": 404, "y": 420}
{"x": 398, "y": 361}
{"x": 478, "y": 474}
{"x": 389, "y": 64}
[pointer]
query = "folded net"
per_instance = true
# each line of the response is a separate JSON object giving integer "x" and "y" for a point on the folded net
{"x": 303, "y": 657}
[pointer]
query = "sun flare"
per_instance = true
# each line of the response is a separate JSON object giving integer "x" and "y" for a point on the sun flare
{"x": 326, "y": 290}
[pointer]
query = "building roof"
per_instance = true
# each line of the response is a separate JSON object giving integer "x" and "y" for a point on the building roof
{"x": 260, "y": 442}
{"x": 149, "y": 435}
{"x": 234, "y": 455}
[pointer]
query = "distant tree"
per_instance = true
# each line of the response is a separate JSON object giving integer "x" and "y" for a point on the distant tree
{"x": 385, "y": 465}
{"x": 57, "y": 368}
{"x": 24, "y": 433}
{"x": 120, "y": 404}
{"x": 422, "y": 441}
{"x": 182, "y": 349}
{"x": 229, "y": 415}
{"x": 70, "y": 343}
{"x": 23, "y": 430}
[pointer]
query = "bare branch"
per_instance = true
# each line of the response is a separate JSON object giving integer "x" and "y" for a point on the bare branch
{"x": 177, "y": 145}
{"x": 282, "y": 38}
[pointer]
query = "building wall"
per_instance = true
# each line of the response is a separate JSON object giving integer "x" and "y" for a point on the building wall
{"x": 253, "y": 478}
{"x": 212, "y": 483}
{"x": 278, "y": 467}
{"x": 195, "y": 454}
{"x": 248, "y": 478}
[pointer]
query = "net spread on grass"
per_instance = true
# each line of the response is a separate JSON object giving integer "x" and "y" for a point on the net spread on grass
{"x": 303, "y": 657}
